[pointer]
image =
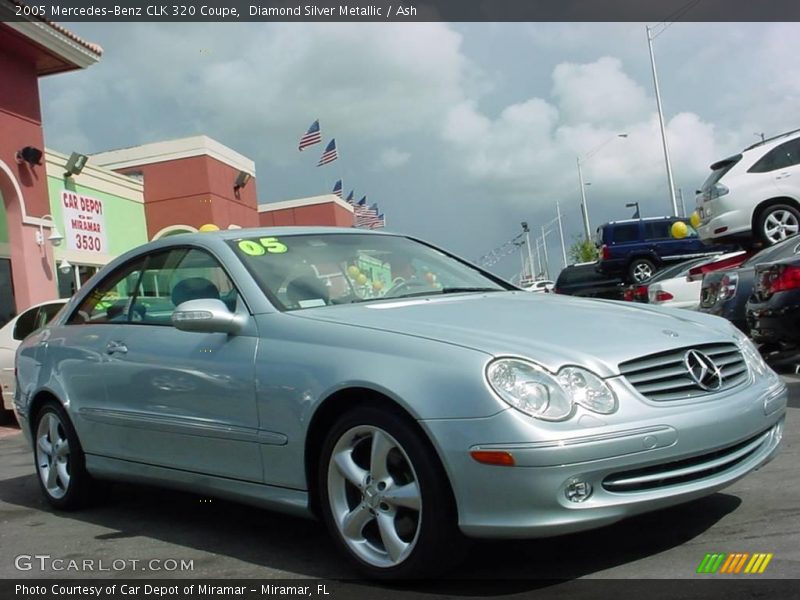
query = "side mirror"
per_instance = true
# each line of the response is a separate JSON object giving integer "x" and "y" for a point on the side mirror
{"x": 206, "y": 315}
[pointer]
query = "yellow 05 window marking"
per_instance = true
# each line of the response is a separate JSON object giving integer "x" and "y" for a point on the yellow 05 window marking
{"x": 262, "y": 246}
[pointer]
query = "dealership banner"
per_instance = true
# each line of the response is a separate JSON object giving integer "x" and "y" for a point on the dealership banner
{"x": 84, "y": 223}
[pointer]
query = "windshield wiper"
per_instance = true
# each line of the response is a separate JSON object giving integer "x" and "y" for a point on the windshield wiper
{"x": 456, "y": 290}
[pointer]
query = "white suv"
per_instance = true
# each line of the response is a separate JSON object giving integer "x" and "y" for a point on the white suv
{"x": 753, "y": 196}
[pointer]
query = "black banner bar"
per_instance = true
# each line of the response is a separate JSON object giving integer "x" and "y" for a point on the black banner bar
{"x": 706, "y": 588}
{"x": 399, "y": 10}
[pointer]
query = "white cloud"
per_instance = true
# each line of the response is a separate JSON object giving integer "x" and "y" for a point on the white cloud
{"x": 598, "y": 92}
{"x": 391, "y": 158}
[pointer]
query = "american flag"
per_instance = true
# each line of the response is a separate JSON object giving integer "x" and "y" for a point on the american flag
{"x": 329, "y": 155}
{"x": 311, "y": 137}
{"x": 337, "y": 188}
{"x": 365, "y": 216}
{"x": 379, "y": 223}
{"x": 350, "y": 197}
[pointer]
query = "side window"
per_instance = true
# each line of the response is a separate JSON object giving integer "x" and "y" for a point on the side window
{"x": 626, "y": 233}
{"x": 174, "y": 277}
{"x": 110, "y": 301}
{"x": 785, "y": 155}
{"x": 26, "y": 324}
{"x": 659, "y": 230}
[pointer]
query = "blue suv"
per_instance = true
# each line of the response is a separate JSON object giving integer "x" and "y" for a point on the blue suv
{"x": 636, "y": 249}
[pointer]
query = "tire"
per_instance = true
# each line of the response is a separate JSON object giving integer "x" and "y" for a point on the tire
{"x": 777, "y": 222}
{"x": 59, "y": 459}
{"x": 640, "y": 270}
{"x": 388, "y": 535}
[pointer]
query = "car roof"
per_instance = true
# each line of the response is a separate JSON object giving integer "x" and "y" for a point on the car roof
{"x": 235, "y": 234}
{"x": 775, "y": 140}
{"x": 625, "y": 221}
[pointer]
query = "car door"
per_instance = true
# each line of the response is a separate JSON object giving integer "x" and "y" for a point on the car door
{"x": 787, "y": 172}
{"x": 178, "y": 399}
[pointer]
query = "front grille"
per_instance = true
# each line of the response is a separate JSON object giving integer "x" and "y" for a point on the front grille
{"x": 664, "y": 377}
{"x": 686, "y": 470}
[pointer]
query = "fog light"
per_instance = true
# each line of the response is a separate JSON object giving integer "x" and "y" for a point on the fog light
{"x": 578, "y": 491}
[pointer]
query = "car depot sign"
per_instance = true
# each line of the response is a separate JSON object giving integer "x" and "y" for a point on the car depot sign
{"x": 84, "y": 223}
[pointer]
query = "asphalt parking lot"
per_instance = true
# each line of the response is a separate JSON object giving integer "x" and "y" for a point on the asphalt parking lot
{"x": 760, "y": 513}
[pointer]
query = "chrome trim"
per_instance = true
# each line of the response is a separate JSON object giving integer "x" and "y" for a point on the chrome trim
{"x": 182, "y": 425}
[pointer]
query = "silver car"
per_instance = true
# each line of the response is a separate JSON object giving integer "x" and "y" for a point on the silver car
{"x": 398, "y": 393}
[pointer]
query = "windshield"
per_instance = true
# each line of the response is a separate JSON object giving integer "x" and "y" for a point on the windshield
{"x": 308, "y": 271}
{"x": 719, "y": 169}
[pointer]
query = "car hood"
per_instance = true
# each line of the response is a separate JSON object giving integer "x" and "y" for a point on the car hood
{"x": 551, "y": 330}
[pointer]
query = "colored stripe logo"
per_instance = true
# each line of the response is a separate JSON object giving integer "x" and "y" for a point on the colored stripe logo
{"x": 734, "y": 563}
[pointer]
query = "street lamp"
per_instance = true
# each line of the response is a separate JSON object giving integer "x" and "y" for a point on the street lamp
{"x": 580, "y": 161}
{"x": 636, "y": 215}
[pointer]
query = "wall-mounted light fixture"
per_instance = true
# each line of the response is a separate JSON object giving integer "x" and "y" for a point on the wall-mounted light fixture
{"x": 241, "y": 181}
{"x": 65, "y": 267}
{"x": 30, "y": 155}
{"x": 55, "y": 236}
{"x": 75, "y": 164}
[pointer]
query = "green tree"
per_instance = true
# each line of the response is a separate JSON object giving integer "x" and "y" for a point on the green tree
{"x": 582, "y": 250}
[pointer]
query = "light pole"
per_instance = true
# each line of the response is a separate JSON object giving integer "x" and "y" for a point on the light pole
{"x": 670, "y": 181}
{"x": 544, "y": 251}
{"x": 527, "y": 231}
{"x": 561, "y": 233}
{"x": 580, "y": 161}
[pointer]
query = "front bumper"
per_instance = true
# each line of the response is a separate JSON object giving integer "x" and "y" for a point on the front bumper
{"x": 696, "y": 447}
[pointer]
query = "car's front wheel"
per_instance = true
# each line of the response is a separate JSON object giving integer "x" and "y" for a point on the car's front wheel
{"x": 640, "y": 270}
{"x": 59, "y": 459}
{"x": 778, "y": 222}
{"x": 384, "y": 496}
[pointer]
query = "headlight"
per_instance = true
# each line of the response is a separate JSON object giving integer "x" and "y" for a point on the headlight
{"x": 532, "y": 390}
{"x": 753, "y": 357}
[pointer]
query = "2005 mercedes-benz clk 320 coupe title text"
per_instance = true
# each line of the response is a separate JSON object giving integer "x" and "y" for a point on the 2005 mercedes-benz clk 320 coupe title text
{"x": 399, "y": 393}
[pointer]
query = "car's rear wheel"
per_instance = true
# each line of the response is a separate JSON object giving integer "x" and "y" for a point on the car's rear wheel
{"x": 384, "y": 497}
{"x": 778, "y": 222}
{"x": 60, "y": 461}
{"x": 640, "y": 270}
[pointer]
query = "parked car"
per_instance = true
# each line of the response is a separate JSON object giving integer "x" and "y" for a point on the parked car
{"x": 583, "y": 279}
{"x": 672, "y": 287}
{"x": 753, "y": 196}
{"x": 11, "y": 334}
{"x": 543, "y": 285}
{"x": 725, "y": 292}
{"x": 636, "y": 249}
{"x": 444, "y": 403}
{"x": 640, "y": 292}
{"x": 773, "y": 310}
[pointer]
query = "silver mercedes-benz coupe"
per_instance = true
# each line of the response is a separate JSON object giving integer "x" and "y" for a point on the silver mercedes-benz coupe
{"x": 397, "y": 392}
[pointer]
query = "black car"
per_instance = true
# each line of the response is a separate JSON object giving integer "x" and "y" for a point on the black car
{"x": 636, "y": 249}
{"x": 583, "y": 279}
{"x": 773, "y": 310}
{"x": 725, "y": 292}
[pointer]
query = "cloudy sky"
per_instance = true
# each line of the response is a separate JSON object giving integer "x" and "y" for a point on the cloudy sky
{"x": 458, "y": 131}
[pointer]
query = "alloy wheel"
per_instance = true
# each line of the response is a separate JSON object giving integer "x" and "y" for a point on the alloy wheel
{"x": 53, "y": 455}
{"x": 780, "y": 225}
{"x": 374, "y": 496}
{"x": 642, "y": 272}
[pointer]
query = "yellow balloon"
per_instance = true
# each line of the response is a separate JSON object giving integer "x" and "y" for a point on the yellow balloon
{"x": 361, "y": 279}
{"x": 377, "y": 286}
{"x": 695, "y": 219}
{"x": 353, "y": 271}
{"x": 679, "y": 230}
{"x": 208, "y": 227}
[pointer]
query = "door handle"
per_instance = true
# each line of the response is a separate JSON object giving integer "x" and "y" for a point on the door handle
{"x": 114, "y": 347}
{"x": 783, "y": 176}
